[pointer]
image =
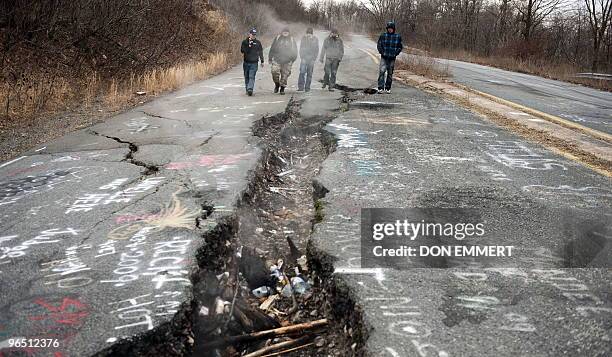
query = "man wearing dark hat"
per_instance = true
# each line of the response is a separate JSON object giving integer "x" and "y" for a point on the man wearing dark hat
{"x": 309, "y": 50}
{"x": 389, "y": 47}
{"x": 253, "y": 52}
{"x": 332, "y": 52}
{"x": 283, "y": 53}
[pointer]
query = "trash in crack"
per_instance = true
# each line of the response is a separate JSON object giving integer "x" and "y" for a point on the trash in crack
{"x": 278, "y": 301}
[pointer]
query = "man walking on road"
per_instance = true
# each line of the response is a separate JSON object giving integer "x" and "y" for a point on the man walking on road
{"x": 389, "y": 47}
{"x": 283, "y": 53}
{"x": 253, "y": 52}
{"x": 309, "y": 50}
{"x": 332, "y": 52}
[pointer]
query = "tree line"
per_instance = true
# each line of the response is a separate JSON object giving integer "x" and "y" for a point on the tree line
{"x": 578, "y": 32}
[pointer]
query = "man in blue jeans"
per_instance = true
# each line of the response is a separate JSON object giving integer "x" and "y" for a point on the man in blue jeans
{"x": 253, "y": 52}
{"x": 309, "y": 50}
{"x": 389, "y": 46}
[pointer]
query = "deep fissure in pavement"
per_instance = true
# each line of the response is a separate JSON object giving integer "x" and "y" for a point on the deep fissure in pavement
{"x": 273, "y": 221}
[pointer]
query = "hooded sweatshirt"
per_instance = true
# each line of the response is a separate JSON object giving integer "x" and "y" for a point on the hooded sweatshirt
{"x": 390, "y": 44}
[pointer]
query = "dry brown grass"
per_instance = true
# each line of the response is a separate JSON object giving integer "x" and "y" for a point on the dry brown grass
{"x": 423, "y": 66}
{"x": 158, "y": 81}
{"x": 48, "y": 96}
{"x": 560, "y": 71}
{"x": 46, "y": 76}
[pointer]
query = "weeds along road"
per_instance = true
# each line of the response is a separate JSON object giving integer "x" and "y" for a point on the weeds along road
{"x": 586, "y": 106}
{"x": 103, "y": 228}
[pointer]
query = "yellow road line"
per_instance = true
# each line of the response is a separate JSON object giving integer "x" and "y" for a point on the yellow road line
{"x": 374, "y": 58}
{"x": 552, "y": 118}
{"x": 599, "y": 165}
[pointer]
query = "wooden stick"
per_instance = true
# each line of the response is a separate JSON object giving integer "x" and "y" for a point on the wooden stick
{"x": 280, "y": 345}
{"x": 267, "y": 333}
{"x": 289, "y": 350}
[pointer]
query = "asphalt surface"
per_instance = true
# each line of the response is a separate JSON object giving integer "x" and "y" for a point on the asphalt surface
{"x": 100, "y": 228}
{"x": 586, "y": 106}
{"x": 411, "y": 149}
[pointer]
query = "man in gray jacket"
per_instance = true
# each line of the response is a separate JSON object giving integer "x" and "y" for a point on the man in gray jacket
{"x": 332, "y": 52}
{"x": 309, "y": 50}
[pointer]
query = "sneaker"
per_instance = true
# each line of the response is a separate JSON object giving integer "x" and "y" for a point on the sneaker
{"x": 282, "y": 90}
{"x": 331, "y": 89}
{"x": 324, "y": 85}
{"x": 380, "y": 91}
{"x": 388, "y": 91}
{"x": 250, "y": 93}
{"x": 307, "y": 90}
{"x": 300, "y": 89}
{"x": 276, "y": 87}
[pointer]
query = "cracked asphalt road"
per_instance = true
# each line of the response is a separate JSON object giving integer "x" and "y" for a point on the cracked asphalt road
{"x": 414, "y": 149}
{"x": 583, "y": 105}
{"x": 100, "y": 228}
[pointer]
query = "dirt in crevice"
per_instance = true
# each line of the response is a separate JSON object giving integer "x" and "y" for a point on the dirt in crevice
{"x": 274, "y": 222}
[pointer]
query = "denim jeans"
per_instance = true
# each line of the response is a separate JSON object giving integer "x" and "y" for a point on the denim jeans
{"x": 250, "y": 69}
{"x": 331, "y": 68}
{"x": 305, "y": 78}
{"x": 386, "y": 65}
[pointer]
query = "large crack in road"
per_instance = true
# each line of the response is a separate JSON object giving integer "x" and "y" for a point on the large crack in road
{"x": 115, "y": 258}
{"x": 274, "y": 221}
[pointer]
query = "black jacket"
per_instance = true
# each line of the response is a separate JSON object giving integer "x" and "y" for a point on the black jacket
{"x": 309, "y": 48}
{"x": 283, "y": 50}
{"x": 252, "y": 50}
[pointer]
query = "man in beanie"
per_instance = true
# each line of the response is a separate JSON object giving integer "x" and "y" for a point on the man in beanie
{"x": 253, "y": 52}
{"x": 332, "y": 52}
{"x": 309, "y": 50}
{"x": 283, "y": 53}
{"x": 389, "y": 47}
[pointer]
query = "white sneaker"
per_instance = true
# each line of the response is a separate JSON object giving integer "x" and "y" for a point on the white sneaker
{"x": 381, "y": 91}
{"x": 388, "y": 91}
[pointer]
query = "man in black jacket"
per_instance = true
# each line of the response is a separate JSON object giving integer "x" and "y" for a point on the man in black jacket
{"x": 283, "y": 53}
{"x": 309, "y": 50}
{"x": 253, "y": 52}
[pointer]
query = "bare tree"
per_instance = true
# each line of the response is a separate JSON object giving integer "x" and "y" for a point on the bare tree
{"x": 599, "y": 12}
{"x": 533, "y": 13}
{"x": 384, "y": 10}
